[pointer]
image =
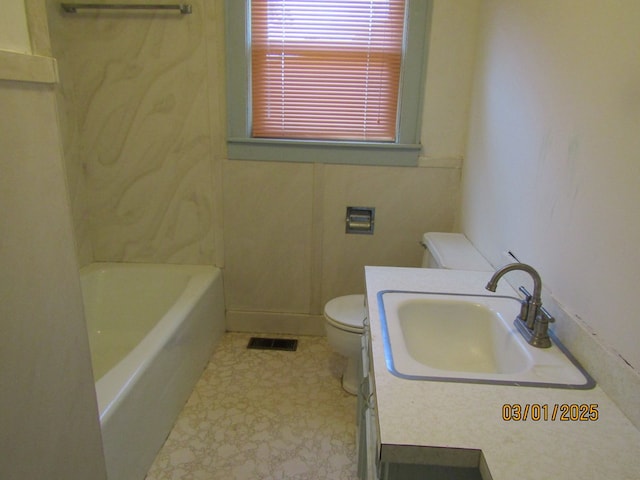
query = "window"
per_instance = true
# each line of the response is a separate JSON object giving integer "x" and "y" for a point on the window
{"x": 326, "y": 81}
{"x": 326, "y": 71}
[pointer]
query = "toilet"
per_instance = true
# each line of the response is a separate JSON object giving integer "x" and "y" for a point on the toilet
{"x": 452, "y": 251}
{"x": 344, "y": 316}
{"x": 344, "y": 323}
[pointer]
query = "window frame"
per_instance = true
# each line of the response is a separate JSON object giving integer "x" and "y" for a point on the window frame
{"x": 403, "y": 152}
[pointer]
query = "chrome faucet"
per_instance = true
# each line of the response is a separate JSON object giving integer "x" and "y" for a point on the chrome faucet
{"x": 533, "y": 320}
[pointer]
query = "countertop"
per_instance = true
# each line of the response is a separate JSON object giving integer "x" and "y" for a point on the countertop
{"x": 462, "y": 424}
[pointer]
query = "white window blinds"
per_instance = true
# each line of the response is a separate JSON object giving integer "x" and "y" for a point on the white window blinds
{"x": 326, "y": 70}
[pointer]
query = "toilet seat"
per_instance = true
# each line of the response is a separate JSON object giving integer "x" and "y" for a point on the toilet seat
{"x": 346, "y": 313}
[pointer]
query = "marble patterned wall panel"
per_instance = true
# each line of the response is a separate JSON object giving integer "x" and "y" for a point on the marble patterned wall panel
{"x": 408, "y": 202}
{"x": 69, "y": 135}
{"x": 137, "y": 83}
{"x": 76, "y": 182}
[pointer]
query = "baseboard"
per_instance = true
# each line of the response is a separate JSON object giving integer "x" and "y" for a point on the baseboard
{"x": 275, "y": 322}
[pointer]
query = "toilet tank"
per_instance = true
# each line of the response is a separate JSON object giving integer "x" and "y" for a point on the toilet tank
{"x": 452, "y": 251}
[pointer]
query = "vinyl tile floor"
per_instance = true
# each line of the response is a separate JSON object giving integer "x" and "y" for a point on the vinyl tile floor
{"x": 264, "y": 414}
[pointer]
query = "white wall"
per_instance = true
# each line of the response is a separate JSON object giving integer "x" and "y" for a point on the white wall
{"x": 449, "y": 77}
{"x": 552, "y": 170}
{"x": 49, "y": 424}
{"x": 48, "y": 414}
{"x": 14, "y": 34}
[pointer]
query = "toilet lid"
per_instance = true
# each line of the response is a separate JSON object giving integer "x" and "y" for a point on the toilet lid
{"x": 347, "y": 312}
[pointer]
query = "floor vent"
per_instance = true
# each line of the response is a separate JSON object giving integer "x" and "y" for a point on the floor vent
{"x": 273, "y": 344}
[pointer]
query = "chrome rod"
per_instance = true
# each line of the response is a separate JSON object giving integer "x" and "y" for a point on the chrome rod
{"x": 184, "y": 8}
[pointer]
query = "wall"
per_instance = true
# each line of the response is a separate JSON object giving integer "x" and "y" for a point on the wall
{"x": 14, "y": 34}
{"x": 142, "y": 131}
{"x": 286, "y": 250}
{"x": 48, "y": 413}
{"x": 552, "y": 169}
{"x": 144, "y": 134}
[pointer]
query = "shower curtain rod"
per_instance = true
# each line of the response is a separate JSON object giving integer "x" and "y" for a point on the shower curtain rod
{"x": 184, "y": 8}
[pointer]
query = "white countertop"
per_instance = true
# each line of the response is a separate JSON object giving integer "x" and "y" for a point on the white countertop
{"x": 449, "y": 423}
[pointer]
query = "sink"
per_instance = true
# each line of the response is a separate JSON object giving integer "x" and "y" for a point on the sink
{"x": 469, "y": 339}
{"x": 461, "y": 336}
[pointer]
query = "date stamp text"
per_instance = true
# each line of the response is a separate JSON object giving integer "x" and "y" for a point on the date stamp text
{"x": 543, "y": 412}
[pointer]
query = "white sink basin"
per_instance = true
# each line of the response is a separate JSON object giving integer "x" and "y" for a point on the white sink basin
{"x": 469, "y": 338}
{"x": 461, "y": 336}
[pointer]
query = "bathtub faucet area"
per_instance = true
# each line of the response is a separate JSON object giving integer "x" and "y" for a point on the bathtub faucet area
{"x": 533, "y": 321}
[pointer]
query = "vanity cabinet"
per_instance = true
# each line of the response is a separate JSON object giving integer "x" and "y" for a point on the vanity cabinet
{"x": 367, "y": 423}
{"x": 370, "y": 466}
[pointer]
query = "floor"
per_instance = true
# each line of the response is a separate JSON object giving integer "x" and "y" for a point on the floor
{"x": 263, "y": 414}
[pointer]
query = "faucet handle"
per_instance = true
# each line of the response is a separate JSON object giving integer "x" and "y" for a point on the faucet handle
{"x": 524, "y": 305}
{"x": 545, "y": 315}
{"x": 527, "y": 295}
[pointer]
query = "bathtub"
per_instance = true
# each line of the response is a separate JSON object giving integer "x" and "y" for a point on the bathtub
{"x": 152, "y": 329}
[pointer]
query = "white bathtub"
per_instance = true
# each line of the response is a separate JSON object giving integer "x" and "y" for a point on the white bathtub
{"x": 152, "y": 329}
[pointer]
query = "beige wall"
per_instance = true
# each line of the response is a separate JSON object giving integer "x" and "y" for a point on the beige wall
{"x": 452, "y": 47}
{"x": 48, "y": 413}
{"x": 286, "y": 249}
{"x": 14, "y": 34}
{"x": 553, "y": 169}
{"x": 144, "y": 130}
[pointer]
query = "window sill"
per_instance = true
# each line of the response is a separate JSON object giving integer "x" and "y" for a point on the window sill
{"x": 352, "y": 153}
{"x": 23, "y": 67}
